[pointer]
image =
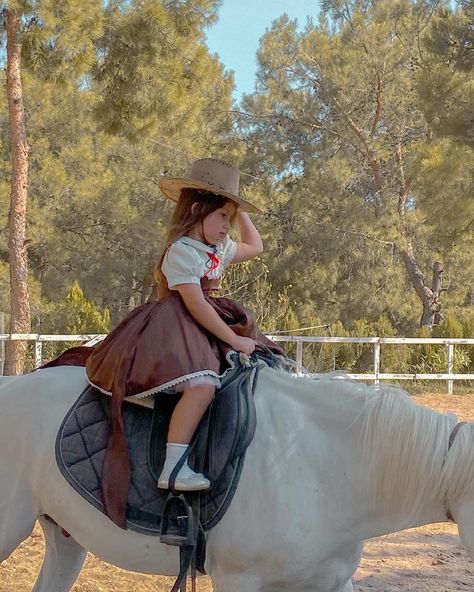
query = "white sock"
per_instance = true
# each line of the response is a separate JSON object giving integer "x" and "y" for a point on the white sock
{"x": 173, "y": 453}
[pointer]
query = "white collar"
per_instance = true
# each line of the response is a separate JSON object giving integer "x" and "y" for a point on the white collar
{"x": 192, "y": 242}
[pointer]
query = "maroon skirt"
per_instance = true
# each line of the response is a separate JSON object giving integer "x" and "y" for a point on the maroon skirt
{"x": 155, "y": 348}
{"x": 159, "y": 345}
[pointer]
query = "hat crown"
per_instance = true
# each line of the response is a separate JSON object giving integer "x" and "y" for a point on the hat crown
{"x": 216, "y": 173}
{"x": 212, "y": 175}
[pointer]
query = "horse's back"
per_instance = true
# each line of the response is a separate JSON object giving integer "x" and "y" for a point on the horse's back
{"x": 39, "y": 398}
{"x": 32, "y": 407}
{"x": 50, "y": 381}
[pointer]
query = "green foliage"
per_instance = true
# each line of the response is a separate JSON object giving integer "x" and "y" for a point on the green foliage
{"x": 248, "y": 284}
{"x": 468, "y": 325}
{"x": 152, "y": 64}
{"x": 451, "y": 327}
{"x": 344, "y": 354}
{"x": 75, "y": 315}
{"x": 340, "y": 126}
{"x": 122, "y": 93}
{"x": 81, "y": 315}
{"x": 95, "y": 211}
{"x": 444, "y": 81}
{"x": 59, "y": 37}
{"x": 457, "y": 328}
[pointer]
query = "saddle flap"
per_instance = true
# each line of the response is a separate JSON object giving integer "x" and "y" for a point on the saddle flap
{"x": 232, "y": 423}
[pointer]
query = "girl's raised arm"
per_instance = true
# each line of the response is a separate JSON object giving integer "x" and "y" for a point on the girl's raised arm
{"x": 250, "y": 244}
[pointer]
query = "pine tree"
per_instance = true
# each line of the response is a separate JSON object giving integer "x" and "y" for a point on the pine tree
{"x": 337, "y": 120}
{"x": 82, "y": 316}
{"x": 15, "y": 352}
{"x": 94, "y": 214}
{"x": 33, "y": 30}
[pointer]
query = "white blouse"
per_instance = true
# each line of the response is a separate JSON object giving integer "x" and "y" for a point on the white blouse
{"x": 188, "y": 260}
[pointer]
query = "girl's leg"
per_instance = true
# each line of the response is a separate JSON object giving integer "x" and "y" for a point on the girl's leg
{"x": 188, "y": 413}
{"x": 184, "y": 421}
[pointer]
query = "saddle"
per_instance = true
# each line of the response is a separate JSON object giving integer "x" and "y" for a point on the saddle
{"x": 218, "y": 449}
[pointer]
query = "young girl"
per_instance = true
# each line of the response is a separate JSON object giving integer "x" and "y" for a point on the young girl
{"x": 180, "y": 343}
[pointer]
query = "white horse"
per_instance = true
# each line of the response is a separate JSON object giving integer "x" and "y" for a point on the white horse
{"x": 332, "y": 463}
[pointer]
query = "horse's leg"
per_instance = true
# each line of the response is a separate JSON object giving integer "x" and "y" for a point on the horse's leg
{"x": 463, "y": 513}
{"x": 331, "y": 575}
{"x": 348, "y": 587}
{"x": 235, "y": 582}
{"x": 17, "y": 516}
{"x": 249, "y": 583}
{"x": 62, "y": 562}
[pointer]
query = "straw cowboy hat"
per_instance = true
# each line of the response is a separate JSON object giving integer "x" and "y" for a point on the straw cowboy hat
{"x": 209, "y": 174}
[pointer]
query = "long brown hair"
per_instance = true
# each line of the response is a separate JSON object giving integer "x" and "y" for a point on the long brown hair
{"x": 184, "y": 219}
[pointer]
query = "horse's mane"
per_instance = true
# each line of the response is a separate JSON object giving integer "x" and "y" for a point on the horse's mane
{"x": 405, "y": 446}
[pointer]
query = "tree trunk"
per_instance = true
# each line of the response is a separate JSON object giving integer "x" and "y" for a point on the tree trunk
{"x": 20, "y": 321}
{"x": 430, "y": 297}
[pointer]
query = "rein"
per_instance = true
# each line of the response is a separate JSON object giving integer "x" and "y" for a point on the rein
{"x": 452, "y": 436}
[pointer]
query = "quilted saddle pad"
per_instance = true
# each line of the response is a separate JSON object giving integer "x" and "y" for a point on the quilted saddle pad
{"x": 83, "y": 436}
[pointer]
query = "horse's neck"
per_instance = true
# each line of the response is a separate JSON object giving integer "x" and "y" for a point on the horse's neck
{"x": 320, "y": 403}
{"x": 405, "y": 446}
{"x": 324, "y": 421}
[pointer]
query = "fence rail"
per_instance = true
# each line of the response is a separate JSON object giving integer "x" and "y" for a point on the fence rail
{"x": 377, "y": 342}
{"x": 450, "y": 376}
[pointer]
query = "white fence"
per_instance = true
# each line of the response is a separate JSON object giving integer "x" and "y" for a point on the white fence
{"x": 377, "y": 342}
{"x": 300, "y": 340}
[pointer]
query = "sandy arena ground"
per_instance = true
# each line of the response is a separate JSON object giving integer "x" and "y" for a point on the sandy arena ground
{"x": 427, "y": 559}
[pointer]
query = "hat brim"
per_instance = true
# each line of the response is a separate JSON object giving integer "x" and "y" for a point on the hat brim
{"x": 172, "y": 187}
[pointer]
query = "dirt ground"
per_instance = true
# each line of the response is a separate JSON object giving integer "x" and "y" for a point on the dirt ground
{"x": 428, "y": 559}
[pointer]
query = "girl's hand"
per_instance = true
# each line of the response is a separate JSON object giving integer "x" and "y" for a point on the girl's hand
{"x": 245, "y": 345}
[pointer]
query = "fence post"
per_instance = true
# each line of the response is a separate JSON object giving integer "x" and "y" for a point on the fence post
{"x": 450, "y": 366}
{"x": 38, "y": 353}
{"x": 2, "y": 344}
{"x": 377, "y": 362}
{"x": 299, "y": 356}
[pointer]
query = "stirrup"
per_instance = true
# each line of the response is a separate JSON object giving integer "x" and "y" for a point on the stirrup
{"x": 178, "y": 510}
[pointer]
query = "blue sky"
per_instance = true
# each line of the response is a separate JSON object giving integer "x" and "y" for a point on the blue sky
{"x": 241, "y": 23}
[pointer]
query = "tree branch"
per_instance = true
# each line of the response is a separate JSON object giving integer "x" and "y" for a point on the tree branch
{"x": 378, "y": 105}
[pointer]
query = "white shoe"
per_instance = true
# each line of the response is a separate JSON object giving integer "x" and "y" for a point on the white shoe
{"x": 190, "y": 482}
{"x": 187, "y": 479}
